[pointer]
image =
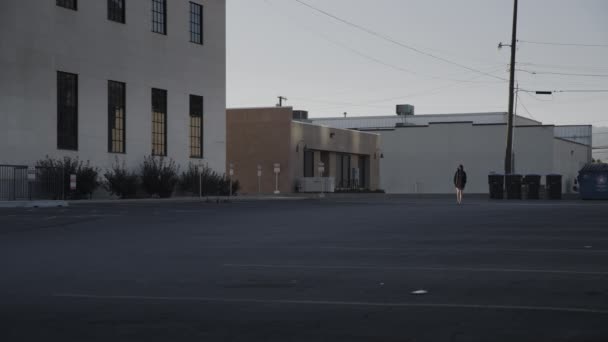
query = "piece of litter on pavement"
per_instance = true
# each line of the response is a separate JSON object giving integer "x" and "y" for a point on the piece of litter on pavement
{"x": 588, "y": 247}
{"x": 419, "y": 292}
{"x": 381, "y": 284}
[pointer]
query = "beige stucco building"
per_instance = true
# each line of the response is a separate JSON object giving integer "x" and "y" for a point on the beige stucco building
{"x": 259, "y": 138}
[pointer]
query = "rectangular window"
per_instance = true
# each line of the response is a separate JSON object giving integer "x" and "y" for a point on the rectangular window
{"x": 309, "y": 163}
{"x": 67, "y": 111}
{"x": 70, "y": 4}
{"x": 196, "y": 23}
{"x": 159, "y": 16}
{"x": 116, "y": 11}
{"x": 159, "y": 122}
{"x": 363, "y": 172}
{"x": 196, "y": 126}
{"x": 116, "y": 117}
{"x": 343, "y": 171}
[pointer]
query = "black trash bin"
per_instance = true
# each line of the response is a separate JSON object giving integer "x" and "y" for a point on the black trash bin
{"x": 497, "y": 186}
{"x": 513, "y": 185}
{"x": 532, "y": 183}
{"x": 554, "y": 187}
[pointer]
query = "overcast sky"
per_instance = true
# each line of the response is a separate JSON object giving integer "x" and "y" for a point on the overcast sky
{"x": 280, "y": 47}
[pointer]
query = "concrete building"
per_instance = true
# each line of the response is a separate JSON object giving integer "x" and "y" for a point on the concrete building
{"x": 267, "y": 136}
{"x": 101, "y": 80}
{"x": 421, "y": 152}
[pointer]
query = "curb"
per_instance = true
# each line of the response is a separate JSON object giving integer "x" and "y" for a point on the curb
{"x": 187, "y": 200}
{"x": 34, "y": 204}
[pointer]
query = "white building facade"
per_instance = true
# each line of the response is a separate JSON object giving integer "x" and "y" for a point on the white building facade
{"x": 421, "y": 152}
{"x": 113, "y": 79}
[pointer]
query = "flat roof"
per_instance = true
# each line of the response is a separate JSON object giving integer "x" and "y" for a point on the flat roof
{"x": 250, "y": 108}
{"x": 397, "y": 116}
{"x": 331, "y": 128}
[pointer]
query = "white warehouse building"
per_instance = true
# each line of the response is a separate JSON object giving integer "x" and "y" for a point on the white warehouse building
{"x": 420, "y": 153}
{"x": 101, "y": 80}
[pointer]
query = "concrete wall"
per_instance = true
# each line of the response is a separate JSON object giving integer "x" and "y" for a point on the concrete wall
{"x": 38, "y": 38}
{"x": 423, "y": 159}
{"x": 568, "y": 159}
{"x": 532, "y": 148}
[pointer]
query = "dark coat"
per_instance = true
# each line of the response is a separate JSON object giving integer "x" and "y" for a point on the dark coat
{"x": 460, "y": 179}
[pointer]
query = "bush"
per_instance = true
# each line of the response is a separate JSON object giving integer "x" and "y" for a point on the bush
{"x": 213, "y": 183}
{"x": 87, "y": 176}
{"x": 120, "y": 181}
{"x": 159, "y": 176}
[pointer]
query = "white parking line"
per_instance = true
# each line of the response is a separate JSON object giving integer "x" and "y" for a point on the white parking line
{"x": 404, "y": 249}
{"x": 430, "y": 269}
{"x": 464, "y": 249}
{"x": 338, "y": 303}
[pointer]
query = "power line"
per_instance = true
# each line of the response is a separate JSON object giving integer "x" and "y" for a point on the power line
{"x": 423, "y": 93}
{"x": 393, "y": 41}
{"x": 367, "y": 56}
{"x": 563, "y": 44}
{"x": 524, "y": 106}
{"x": 563, "y": 66}
{"x": 568, "y": 91}
{"x": 561, "y": 73}
{"x": 582, "y": 91}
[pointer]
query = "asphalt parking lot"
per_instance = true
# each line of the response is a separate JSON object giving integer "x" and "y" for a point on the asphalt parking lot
{"x": 309, "y": 270}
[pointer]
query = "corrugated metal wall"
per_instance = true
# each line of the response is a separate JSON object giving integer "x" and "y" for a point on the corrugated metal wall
{"x": 579, "y": 134}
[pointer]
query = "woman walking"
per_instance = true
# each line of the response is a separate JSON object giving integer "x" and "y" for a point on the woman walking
{"x": 460, "y": 181}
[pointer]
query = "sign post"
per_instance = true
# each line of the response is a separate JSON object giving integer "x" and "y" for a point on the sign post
{"x": 231, "y": 174}
{"x": 31, "y": 178}
{"x": 259, "y": 179}
{"x": 73, "y": 184}
{"x": 321, "y": 171}
{"x": 200, "y": 180}
{"x": 277, "y": 170}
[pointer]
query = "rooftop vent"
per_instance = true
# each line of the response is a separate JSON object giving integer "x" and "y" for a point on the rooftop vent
{"x": 405, "y": 109}
{"x": 300, "y": 115}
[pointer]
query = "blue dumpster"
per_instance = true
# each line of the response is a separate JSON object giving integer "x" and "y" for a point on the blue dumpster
{"x": 593, "y": 181}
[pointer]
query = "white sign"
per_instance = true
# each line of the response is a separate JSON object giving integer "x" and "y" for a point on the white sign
{"x": 321, "y": 167}
{"x": 231, "y": 169}
{"x": 277, "y": 168}
{"x": 72, "y": 182}
{"x": 31, "y": 173}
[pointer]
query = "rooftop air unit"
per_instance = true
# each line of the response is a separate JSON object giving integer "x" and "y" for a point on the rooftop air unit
{"x": 300, "y": 115}
{"x": 405, "y": 109}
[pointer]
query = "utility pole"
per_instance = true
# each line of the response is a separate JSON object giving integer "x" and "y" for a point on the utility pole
{"x": 281, "y": 99}
{"x": 509, "y": 153}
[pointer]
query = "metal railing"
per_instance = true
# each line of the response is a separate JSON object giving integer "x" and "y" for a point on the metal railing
{"x": 348, "y": 184}
{"x": 16, "y": 186}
